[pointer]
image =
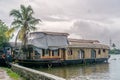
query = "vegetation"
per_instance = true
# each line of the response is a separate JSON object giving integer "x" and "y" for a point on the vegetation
{"x": 114, "y": 46}
{"x": 13, "y": 75}
{"x": 24, "y": 23}
{"x": 3, "y": 37}
{"x": 115, "y": 51}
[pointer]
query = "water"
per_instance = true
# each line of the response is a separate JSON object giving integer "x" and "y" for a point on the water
{"x": 108, "y": 71}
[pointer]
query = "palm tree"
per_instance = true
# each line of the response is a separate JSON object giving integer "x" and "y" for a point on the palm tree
{"x": 24, "y": 23}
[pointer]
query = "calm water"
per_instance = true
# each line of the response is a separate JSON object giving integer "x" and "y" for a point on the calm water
{"x": 110, "y": 71}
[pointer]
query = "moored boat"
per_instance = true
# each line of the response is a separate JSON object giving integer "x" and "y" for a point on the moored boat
{"x": 53, "y": 48}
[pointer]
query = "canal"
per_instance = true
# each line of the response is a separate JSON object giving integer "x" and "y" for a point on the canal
{"x": 106, "y": 71}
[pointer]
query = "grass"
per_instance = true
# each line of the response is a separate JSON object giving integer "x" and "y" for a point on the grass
{"x": 13, "y": 75}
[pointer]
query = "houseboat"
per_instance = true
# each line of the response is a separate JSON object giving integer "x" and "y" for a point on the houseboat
{"x": 86, "y": 51}
{"x": 53, "y": 48}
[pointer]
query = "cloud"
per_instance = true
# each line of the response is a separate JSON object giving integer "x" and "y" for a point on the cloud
{"x": 90, "y": 30}
{"x": 89, "y": 19}
{"x": 6, "y": 6}
{"x": 61, "y": 26}
{"x": 54, "y": 18}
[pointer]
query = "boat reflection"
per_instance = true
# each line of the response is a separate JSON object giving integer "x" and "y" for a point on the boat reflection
{"x": 81, "y": 72}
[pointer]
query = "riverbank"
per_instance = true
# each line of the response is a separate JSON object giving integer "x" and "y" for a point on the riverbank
{"x": 8, "y": 74}
{"x": 31, "y": 74}
{"x": 4, "y": 75}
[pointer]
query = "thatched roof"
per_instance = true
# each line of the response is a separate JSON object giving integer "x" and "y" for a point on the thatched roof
{"x": 80, "y": 43}
{"x": 89, "y": 45}
{"x": 51, "y": 33}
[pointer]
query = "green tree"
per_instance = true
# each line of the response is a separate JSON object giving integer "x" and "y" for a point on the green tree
{"x": 24, "y": 23}
{"x": 3, "y": 38}
{"x": 113, "y": 45}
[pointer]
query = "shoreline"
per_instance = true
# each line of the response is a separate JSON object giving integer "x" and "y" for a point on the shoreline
{"x": 8, "y": 74}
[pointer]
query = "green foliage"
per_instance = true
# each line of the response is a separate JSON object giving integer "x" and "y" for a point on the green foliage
{"x": 113, "y": 45}
{"x": 13, "y": 75}
{"x": 115, "y": 51}
{"x": 3, "y": 38}
{"x": 23, "y": 22}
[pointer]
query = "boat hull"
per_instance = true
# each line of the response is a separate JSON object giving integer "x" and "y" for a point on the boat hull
{"x": 49, "y": 63}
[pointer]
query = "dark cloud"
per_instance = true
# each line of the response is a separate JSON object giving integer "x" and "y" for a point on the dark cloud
{"x": 95, "y": 30}
{"x": 6, "y": 6}
{"x": 55, "y": 18}
{"x": 90, "y": 30}
{"x": 73, "y": 9}
{"x": 76, "y": 9}
{"x": 92, "y": 19}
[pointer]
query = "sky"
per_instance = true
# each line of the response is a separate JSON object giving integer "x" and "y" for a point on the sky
{"x": 82, "y": 19}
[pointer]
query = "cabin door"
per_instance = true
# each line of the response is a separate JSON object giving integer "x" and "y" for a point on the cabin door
{"x": 81, "y": 54}
{"x": 63, "y": 54}
{"x": 93, "y": 54}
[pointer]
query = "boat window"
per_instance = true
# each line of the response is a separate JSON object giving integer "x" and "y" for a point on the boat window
{"x": 70, "y": 52}
{"x": 38, "y": 51}
{"x": 104, "y": 50}
{"x": 99, "y": 51}
{"x": 81, "y": 53}
{"x": 46, "y": 52}
{"x": 93, "y": 53}
{"x": 55, "y": 52}
{"x": 43, "y": 54}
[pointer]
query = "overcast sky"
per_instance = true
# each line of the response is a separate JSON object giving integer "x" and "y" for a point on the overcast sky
{"x": 87, "y": 19}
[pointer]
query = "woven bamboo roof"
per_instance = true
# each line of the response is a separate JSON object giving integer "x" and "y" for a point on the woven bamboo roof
{"x": 51, "y": 33}
{"x": 89, "y": 45}
{"x": 81, "y": 43}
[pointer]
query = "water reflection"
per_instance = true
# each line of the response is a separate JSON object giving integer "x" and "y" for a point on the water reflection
{"x": 114, "y": 65}
{"x": 107, "y": 71}
{"x": 74, "y": 72}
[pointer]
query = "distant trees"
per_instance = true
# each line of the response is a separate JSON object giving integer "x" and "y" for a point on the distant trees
{"x": 114, "y": 50}
{"x": 3, "y": 37}
{"x": 113, "y": 45}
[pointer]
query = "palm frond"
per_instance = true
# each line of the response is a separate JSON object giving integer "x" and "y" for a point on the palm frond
{"x": 29, "y": 11}
{"x": 17, "y": 22}
{"x": 9, "y": 32}
{"x": 15, "y": 13}
{"x": 32, "y": 28}
{"x": 23, "y": 12}
{"x": 33, "y": 21}
{"x": 21, "y": 34}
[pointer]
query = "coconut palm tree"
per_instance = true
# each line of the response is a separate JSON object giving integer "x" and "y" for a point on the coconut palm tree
{"x": 23, "y": 22}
